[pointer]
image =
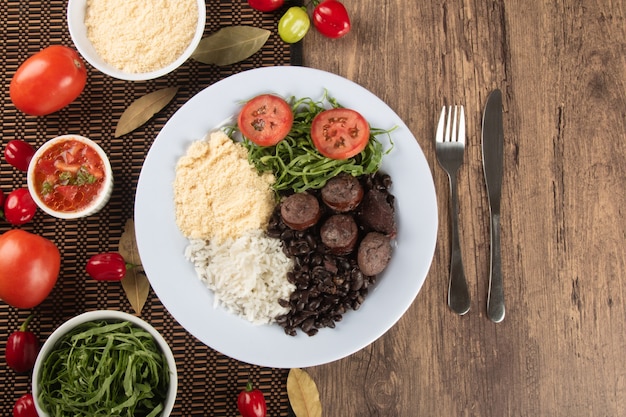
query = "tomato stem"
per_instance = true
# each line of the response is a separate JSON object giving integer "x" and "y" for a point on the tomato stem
{"x": 249, "y": 386}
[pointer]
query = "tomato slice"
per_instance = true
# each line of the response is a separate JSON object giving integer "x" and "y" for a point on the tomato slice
{"x": 340, "y": 133}
{"x": 265, "y": 119}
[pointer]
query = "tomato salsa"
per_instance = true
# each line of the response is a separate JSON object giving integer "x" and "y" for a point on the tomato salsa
{"x": 69, "y": 175}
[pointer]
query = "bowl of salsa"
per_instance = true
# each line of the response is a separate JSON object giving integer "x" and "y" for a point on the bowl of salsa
{"x": 70, "y": 177}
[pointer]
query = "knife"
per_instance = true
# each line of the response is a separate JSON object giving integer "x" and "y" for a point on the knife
{"x": 492, "y": 141}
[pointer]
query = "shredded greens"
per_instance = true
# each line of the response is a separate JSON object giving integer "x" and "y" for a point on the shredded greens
{"x": 296, "y": 163}
{"x": 105, "y": 369}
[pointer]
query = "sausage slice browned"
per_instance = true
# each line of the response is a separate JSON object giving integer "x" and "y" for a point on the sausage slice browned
{"x": 300, "y": 211}
{"x": 377, "y": 213}
{"x": 374, "y": 253}
{"x": 342, "y": 193}
{"x": 339, "y": 233}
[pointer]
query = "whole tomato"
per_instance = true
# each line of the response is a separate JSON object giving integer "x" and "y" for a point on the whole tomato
{"x": 29, "y": 268}
{"x": 19, "y": 207}
{"x": 251, "y": 402}
{"x": 22, "y": 348}
{"x": 266, "y": 5}
{"x": 25, "y": 407}
{"x": 108, "y": 266}
{"x": 48, "y": 80}
{"x": 331, "y": 19}
{"x": 294, "y": 24}
{"x": 19, "y": 153}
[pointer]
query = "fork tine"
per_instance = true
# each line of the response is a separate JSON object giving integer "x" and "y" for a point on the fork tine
{"x": 442, "y": 118}
{"x": 453, "y": 137}
{"x": 461, "y": 137}
{"x": 448, "y": 137}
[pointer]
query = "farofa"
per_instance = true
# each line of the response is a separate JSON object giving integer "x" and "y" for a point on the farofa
{"x": 218, "y": 193}
{"x": 140, "y": 35}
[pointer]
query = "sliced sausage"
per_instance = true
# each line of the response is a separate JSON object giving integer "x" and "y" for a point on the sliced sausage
{"x": 300, "y": 211}
{"x": 339, "y": 233}
{"x": 374, "y": 253}
{"x": 342, "y": 193}
{"x": 377, "y": 213}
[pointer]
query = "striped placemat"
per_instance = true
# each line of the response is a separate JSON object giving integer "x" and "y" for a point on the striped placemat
{"x": 208, "y": 381}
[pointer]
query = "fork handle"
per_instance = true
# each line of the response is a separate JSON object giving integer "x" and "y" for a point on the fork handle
{"x": 495, "y": 298}
{"x": 458, "y": 294}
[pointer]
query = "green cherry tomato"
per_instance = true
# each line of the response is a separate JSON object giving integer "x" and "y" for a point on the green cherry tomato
{"x": 294, "y": 24}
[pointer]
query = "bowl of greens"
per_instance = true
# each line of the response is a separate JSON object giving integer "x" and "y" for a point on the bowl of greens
{"x": 105, "y": 363}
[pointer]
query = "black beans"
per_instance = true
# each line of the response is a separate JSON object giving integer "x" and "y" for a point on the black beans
{"x": 328, "y": 284}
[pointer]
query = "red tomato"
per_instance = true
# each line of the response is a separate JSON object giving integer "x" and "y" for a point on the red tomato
{"x": 109, "y": 266}
{"x": 265, "y": 120}
{"x": 251, "y": 402}
{"x": 19, "y": 153}
{"x": 340, "y": 133}
{"x": 266, "y": 5}
{"x": 48, "y": 81}
{"x": 19, "y": 207}
{"x": 25, "y": 407}
{"x": 29, "y": 268}
{"x": 331, "y": 19}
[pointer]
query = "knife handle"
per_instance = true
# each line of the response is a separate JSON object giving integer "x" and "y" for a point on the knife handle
{"x": 495, "y": 299}
{"x": 458, "y": 293}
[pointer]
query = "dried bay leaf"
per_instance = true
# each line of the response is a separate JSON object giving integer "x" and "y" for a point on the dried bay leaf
{"x": 230, "y": 44}
{"x": 135, "y": 283}
{"x": 303, "y": 394}
{"x": 142, "y": 110}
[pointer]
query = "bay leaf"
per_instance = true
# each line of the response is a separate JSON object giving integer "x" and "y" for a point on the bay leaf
{"x": 142, "y": 110}
{"x": 135, "y": 283}
{"x": 303, "y": 394}
{"x": 230, "y": 44}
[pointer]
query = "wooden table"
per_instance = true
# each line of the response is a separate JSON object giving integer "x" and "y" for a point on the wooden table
{"x": 562, "y": 69}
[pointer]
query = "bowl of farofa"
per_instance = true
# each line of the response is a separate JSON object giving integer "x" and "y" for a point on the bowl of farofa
{"x": 136, "y": 40}
{"x": 105, "y": 360}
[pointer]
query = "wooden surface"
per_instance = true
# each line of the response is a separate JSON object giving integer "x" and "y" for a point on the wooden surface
{"x": 561, "y": 67}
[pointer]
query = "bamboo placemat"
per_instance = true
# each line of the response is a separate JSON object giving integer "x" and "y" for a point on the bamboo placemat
{"x": 208, "y": 381}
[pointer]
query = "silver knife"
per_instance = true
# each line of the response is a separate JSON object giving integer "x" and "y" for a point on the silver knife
{"x": 492, "y": 140}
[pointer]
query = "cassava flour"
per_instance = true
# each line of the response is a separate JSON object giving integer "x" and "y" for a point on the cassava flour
{"x": 218, "y": 193}
{"x": 140, "y": 35}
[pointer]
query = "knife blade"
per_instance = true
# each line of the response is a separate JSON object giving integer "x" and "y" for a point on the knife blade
{"x": 492, "y": 144}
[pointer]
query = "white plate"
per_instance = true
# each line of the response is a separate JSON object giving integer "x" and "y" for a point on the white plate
{"x": 161, "y": 244}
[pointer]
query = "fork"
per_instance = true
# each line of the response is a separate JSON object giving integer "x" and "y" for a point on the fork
{"x": 449, "y": 147}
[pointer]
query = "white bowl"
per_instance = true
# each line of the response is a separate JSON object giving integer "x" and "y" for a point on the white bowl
{"x": 113, "y": 316}
{"x": 97, "y": 204}
{"x": 78, "y": 33}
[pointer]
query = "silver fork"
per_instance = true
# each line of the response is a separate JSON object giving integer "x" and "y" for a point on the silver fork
{"x": 449, "y": 146}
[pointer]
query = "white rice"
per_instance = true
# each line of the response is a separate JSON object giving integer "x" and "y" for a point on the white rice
{"x": 248, "y": 274}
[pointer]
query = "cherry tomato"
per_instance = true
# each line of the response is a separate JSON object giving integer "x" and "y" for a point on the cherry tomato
{"x": 109, "y": 266}
{"x": 25, "y": 407}
{"x": 48, "y": 81}
{"x": 29, "y": 268}
{"x": 22, "y": 348}
{"x": 331, "y": 19}
{"x": 251, "y": 402}
{"x": 265, "y": 119}
{"x": 19, "y": 153}
{"x": 340, "y": 133}
{"x": 294, "y": 24}
{"x": 266, "y": 5}
{"x": 19, "y": 207}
